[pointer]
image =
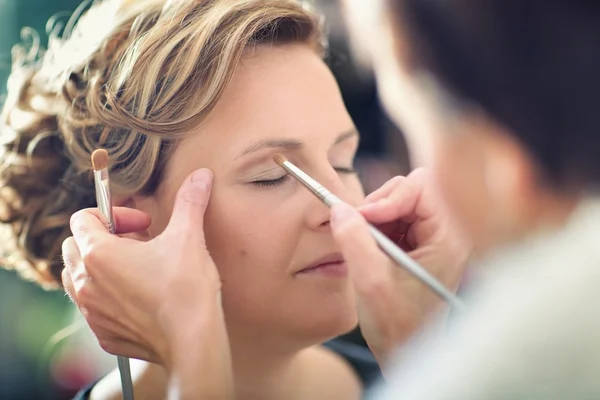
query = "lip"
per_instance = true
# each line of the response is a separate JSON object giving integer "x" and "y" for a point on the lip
{"x": 329, "y": 263}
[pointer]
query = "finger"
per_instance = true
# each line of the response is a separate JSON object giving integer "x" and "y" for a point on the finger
{"x": 385, "y": 190}
{"x": 192, "y": 199}
{"x": 368, "y": 266}
{"x": 409, "y": 199}
{"x": 68, "y": 285}
{"x": 70, "y": 254}
{"x": 400, "y": 203}
{"x": 73, "y": 266}
{"x": 127, "y": 220}
{"x": 374, "y": 277}
{"x": 71, "y": 290}
{"x": 87, "y": 229}
{"x": 124, "y": 348}
{"x": 79, "y": 274}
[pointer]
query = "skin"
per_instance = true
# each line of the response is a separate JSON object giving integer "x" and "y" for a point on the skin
{"x": 474, "y": 165}
{"x": 161, "y": 322}
{"x": 142, "y": 320}
{"x": 283, "y": 94}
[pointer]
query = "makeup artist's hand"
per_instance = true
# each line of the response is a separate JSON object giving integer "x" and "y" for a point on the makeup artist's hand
{"x": 392, "y": 304}
{"x": 148, "y": 300}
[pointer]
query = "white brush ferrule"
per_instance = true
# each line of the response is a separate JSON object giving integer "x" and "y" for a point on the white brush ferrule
{"x": 319, "y": 190}
{"x": 103, "y": 198}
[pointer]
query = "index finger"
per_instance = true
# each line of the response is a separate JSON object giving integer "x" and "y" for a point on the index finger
{"x": 406, "y": 199}
{"x": 127, "y": 220}
{"x": 88, "y": 228}
{"x": 385, "y": 190}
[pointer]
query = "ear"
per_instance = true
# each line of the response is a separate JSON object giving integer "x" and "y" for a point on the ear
{"x": 510, "y": 172}
{"x": 132, "y": 202}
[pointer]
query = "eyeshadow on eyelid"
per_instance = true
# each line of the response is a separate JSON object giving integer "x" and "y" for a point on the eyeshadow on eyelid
{"x": 255, "y": 161}
{"x": 254, "y": 172}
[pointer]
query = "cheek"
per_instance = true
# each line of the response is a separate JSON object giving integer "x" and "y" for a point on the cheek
{"x": 248, "y": 239}
{"x": 252, "y": 239}
{"x": 458, "y": 170}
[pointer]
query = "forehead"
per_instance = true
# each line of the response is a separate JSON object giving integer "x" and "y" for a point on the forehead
{"x": 282, "y": 92}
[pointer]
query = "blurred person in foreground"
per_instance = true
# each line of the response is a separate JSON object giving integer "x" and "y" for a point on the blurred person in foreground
{"x": 498, "y": 99}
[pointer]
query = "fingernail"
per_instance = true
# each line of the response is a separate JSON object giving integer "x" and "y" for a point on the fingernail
{"x": 368, "y": 207}
{"x": 202, "y": 179}
{"x": 341, "y": 212}
{"x": 372, "y": 205}
{"x": 368, "y": 200}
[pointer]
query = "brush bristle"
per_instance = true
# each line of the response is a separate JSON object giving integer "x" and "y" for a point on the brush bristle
{"x": 279, "y": 159}
{"x": 100, "y": 159}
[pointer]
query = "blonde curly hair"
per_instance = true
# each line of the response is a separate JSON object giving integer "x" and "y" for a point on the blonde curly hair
{"x": 130, "y": 76}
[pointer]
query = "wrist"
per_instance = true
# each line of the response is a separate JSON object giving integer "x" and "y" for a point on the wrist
{"x": 198, "y": 345}
{"x": 183, "y": 321}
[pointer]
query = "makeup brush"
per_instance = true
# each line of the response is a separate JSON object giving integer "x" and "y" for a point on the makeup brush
{"x": 398, "y": 255}
{"x": 103, "y": 198}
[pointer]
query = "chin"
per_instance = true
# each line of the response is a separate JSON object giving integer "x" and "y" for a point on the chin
{"x": 326, "y": 320}
{"x": 306, "y": 315}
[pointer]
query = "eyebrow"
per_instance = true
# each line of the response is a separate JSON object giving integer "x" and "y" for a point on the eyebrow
{"x": 290, "y": 144}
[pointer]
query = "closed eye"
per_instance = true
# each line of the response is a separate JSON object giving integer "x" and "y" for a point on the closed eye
{"x": 281, "y": 180}
{"x": 271, "y": 182}
{"x": 343, "y": 170}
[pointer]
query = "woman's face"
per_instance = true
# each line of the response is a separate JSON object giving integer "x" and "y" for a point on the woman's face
{"x": 262, "y": 228}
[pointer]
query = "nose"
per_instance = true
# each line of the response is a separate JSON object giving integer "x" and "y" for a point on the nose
{"x": 317, "y": 213}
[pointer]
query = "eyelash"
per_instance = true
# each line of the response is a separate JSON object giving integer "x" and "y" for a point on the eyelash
{"x": 279, "y": 181}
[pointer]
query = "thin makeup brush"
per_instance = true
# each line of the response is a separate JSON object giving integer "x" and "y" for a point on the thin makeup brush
{"x": 398, "y": 255}
{"x": 103, "y": 198}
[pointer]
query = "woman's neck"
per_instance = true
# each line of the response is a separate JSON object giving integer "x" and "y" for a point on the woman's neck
{"x": 264, "y": 371}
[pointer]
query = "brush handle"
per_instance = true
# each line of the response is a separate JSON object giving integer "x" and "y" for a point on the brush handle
{"x": 403, "y": 259}
{"x": 126, "y": 383}
{"x": 103, "y": 198}
{"x": 389, "y": 247}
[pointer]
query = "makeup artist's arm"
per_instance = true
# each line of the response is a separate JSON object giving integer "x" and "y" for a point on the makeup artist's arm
{"x": 393, "y": 305}
{"x": 157, "y": 300}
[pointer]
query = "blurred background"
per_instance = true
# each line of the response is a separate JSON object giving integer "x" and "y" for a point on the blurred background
{"x": 34, "y": 362}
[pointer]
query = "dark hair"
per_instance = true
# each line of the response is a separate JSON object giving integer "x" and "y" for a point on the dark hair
{"x": 532, "y": 65}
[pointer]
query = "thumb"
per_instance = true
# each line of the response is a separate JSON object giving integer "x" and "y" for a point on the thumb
{"x": 371, "y": 277}
{"x": 368, "y": 266}
{"x": 190, "y": 205}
